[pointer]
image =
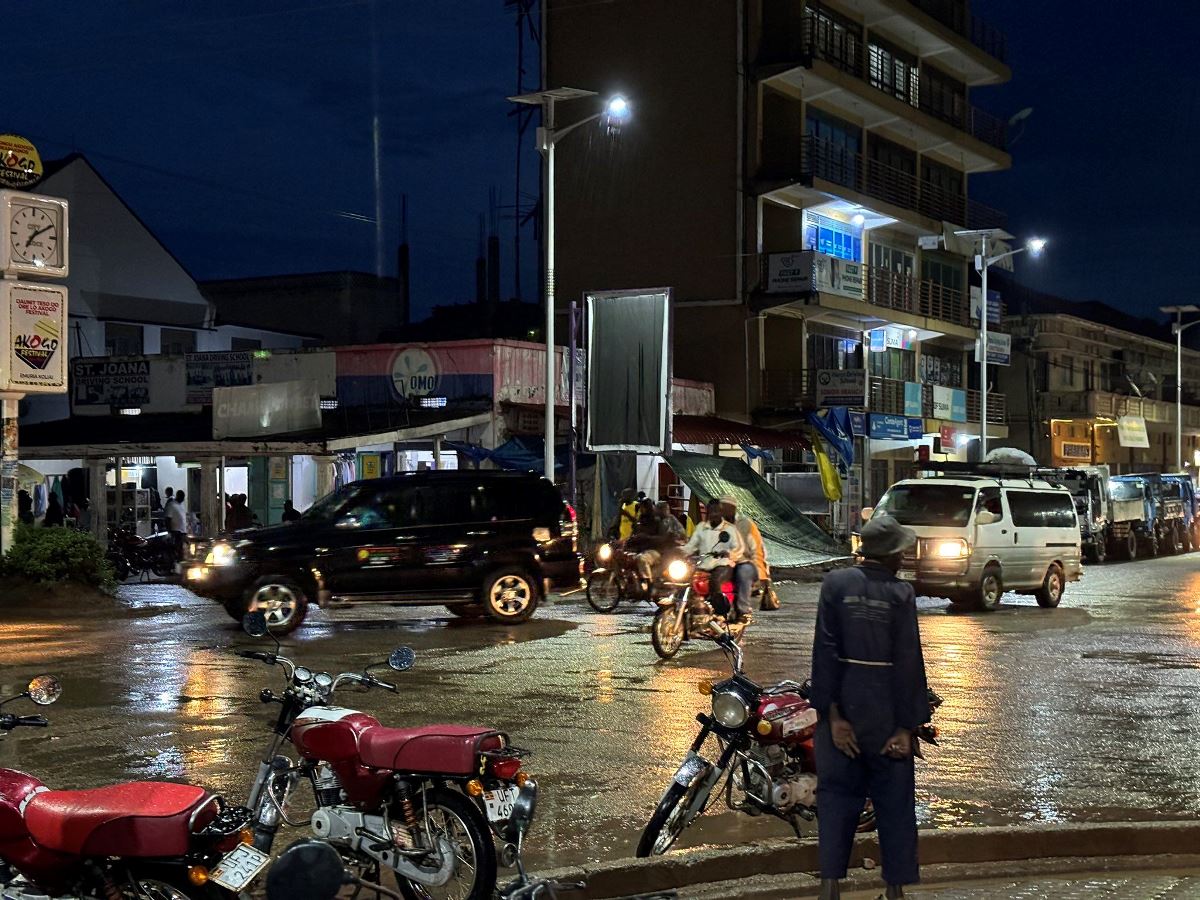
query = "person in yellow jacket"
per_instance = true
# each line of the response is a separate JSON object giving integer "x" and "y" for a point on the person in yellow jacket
{"x": 753, "y": 566}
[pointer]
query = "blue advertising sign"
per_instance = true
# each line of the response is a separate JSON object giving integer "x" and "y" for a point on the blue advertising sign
{"x": 912, "y": 398}
{"x": 958, "y": 406}
{"x": 878, "y": 340}
{"x": 894, "y": 428}
{"x": 916, "y": 429}
{"x": 858, "y": 424}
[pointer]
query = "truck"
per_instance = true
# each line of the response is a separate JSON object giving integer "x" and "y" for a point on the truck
{"x": 1161, "y": 527}
{"x": 1191, "y": 508}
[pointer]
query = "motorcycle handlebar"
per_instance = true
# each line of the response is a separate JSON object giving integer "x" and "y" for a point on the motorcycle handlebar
{"x": 269, "y": 658}
{"x": 8, "y": 722}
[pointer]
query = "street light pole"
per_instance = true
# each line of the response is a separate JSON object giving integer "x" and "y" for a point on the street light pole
{"x": 1179, "y": 328}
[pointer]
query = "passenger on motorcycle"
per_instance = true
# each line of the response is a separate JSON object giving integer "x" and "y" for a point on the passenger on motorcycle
{"x": 653, "y": 540}
{"x": 753, "y": 568}
{"x": 716, "y": 557}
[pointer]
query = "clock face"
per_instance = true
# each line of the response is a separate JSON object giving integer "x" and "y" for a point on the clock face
{"x": 34, "y": 235}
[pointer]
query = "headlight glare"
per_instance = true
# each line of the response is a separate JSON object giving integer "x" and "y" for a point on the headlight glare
{"x": 221, "y": 554}
{"x": 730, "y": 709}
{"x": 678, "y": 570}
{"x": 955, "y": 549}
{"x": 604, "y": 554}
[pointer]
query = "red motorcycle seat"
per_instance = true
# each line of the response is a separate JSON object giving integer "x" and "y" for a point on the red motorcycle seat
{"x": 445, "y": 749}
{"x": 141, "y": 818}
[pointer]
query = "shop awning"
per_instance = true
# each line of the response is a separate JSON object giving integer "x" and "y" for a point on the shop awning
{"x": 714, "y": 430}
{"x": 793, "y": 540}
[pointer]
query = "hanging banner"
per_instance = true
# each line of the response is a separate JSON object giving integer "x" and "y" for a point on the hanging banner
{"x": 790, "y": 273}
{"x": 912, "y": 399}
{"x": 841, "y": 387}
{"x": 949, "y": 404}
{"x": 35, "y": 337}
{"x": 1131, "y": 432}
{"x": 837, "y": 276}
{"x": 206, "y": 371}
{"x": 110, "y": 382}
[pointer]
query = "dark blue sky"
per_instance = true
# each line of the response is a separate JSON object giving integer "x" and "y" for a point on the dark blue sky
{"x": 241, "y": 136}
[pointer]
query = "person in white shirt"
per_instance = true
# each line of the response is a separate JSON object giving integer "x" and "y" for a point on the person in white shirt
{"x": 176, "y": 517}
{"x": 717, "y": 557}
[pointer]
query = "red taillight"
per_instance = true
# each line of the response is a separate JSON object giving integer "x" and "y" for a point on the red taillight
{"x": 574, "y": 516}
{"x": 700, "y": 582}
{"x": 505, "y": 769}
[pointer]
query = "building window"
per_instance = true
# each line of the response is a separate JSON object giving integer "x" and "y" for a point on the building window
{"x": 943, "y": 97}
{"x": 242, "y": 343}
{"x": 893, "y": 363}
{"x": 834, "y": 238}
{"x": 1088, "y": 382}
{"x": 943, "y": 370}
{"x": 901, "y": 262}
{"x": 943, "y": 270}
{"x": 1042, "y": 374}
{"x": 1069, "y": 370}
{"x": 121, "y": 339}
{"x": 836, "y": 39}
{"x": 176, "y": 342}
{"x": 895, "y": 72}
{"x": 836, "y": 148}
{"x": 830, "y": 352}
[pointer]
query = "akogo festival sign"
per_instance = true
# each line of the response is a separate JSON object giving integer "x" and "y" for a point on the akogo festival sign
{"x": 36, "y": 323}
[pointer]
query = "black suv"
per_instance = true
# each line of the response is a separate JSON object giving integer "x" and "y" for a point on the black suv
{"x": 480, "y": 542}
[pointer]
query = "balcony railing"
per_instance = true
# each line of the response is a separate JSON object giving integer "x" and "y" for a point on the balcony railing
{"x": 955, "y": 16}
{"x": 845, "y": 50}
{"x": 830, "y": 162}
{"x": 791, "y": 389}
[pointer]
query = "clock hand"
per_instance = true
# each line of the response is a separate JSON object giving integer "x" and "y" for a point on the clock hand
{"x": 36, "y": 233}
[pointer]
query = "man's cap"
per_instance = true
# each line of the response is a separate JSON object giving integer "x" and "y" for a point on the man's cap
{"x": 728, "y": 500}
{"x": 884, "y": 536}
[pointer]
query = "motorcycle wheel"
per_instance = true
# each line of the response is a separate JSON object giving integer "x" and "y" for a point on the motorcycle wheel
{"x": 668, "y": 821}
{"x": 666, "y": 633}
{"x": 158, "y": 885}
{"x": 452, "y": 814}
{"x": 866, "y": 819}
{"x": 604, "y": 590}
{"x": 120, "y": 567}
{"x": 164, "y": 566}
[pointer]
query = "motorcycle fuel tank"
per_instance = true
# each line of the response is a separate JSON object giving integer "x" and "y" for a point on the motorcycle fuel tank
{"x": 791, "y": 718}
{"x": 15, "y": 790}
{"x": 331, "y": 733}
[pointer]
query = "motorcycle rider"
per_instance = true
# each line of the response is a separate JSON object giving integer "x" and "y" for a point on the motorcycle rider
{"x": 717, "y": 557}
{"x": 754, "y": 567}
{"x": 868, "y": 684}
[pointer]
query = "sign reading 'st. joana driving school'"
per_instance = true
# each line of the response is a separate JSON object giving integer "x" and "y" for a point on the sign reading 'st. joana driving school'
{"x": 35, "y": 337}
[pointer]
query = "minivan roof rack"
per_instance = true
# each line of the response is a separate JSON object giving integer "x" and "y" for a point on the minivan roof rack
{"x": 982, "y": 469}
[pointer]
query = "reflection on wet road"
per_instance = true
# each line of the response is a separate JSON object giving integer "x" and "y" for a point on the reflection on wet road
{"x": 1086, "y": 712}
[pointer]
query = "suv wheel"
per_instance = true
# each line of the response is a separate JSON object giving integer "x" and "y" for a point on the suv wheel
{"x": 510, "y": 595}
{"x": 282, "y": 601}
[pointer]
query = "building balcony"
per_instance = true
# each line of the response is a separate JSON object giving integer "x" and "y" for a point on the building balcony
{"x": 794, "y": 389}
{"x": 1107, "y": 405}
{"x": 829, "y": 168}
{"x": 955, "y": 16}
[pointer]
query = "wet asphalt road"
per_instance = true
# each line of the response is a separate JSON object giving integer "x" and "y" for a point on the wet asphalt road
{"x": 1087, "y": 712}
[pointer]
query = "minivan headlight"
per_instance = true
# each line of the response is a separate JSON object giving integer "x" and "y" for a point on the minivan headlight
{"x": 730, "y": 709}
{"x": 221, "y": 554}
{"x": 953, "y": 549}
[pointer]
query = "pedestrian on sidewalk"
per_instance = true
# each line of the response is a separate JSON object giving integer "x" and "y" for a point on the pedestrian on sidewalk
{"x": 176, "y": 515}
{"x": 868, "y": 684}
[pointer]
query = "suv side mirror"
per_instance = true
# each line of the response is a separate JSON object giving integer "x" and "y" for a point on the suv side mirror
{"x": 986, "y": 517}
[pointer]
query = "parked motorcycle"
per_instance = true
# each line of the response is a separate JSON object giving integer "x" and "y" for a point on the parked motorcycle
{"x": 130, "y": 554}
{"x": 418, "y": 801}
{"x": 143, "y": 840}
{"x": 615, "y": 577}
{"x": 765, "y": 736}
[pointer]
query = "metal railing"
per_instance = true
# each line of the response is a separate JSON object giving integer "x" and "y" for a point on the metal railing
{"x": 955, "y": 16}
{"x": 847, "y": 51}
{"x": 823, "y": 159}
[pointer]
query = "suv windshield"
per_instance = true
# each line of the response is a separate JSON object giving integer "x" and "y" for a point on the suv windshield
{"x": 327, "y": 508}
{"x": 928, "y": 504}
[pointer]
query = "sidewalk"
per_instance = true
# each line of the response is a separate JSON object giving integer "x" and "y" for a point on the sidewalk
{"x": 1158, "y": 885}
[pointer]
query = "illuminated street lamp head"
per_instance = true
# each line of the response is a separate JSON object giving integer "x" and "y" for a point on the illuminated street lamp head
{"x": 1035, "y": 246}
{"x": 616, "y": 113}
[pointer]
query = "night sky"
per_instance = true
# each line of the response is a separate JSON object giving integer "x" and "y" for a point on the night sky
{"x": 241, "y": 133}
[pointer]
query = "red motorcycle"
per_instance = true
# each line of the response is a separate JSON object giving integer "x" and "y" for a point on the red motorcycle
{"x": 144, "y": 840}
{"x": 423, "y": 803}
{"x": 765, "y": 740}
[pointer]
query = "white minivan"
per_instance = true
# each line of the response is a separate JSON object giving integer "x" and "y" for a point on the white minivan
{"x": 980, "y": 536}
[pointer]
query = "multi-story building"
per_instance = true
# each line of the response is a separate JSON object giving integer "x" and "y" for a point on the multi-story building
{"x": 784, "y": 162}
{"x": 1091, "y": 384}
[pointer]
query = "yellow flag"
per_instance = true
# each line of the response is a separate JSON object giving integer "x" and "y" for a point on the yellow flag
{"x": 831, "y": 482}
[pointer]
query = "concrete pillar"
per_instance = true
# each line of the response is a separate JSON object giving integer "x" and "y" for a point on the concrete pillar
{"x": 325, "y": 479}
{"x": 98, "y": 499}
{"x": 8, "y": 471}
{"x": 211, "y": 504}
{"x": 437, "y": 452}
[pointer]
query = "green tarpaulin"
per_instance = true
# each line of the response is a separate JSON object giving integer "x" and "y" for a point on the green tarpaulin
{"x": 793, "y": 540}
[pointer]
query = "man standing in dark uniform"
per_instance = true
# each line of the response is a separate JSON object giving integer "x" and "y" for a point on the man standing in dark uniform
{"x": 868, "y": 684}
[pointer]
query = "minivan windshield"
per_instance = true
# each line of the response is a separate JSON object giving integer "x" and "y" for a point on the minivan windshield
{"x": 327, "y": 508}
{"x": 928, "y": 504}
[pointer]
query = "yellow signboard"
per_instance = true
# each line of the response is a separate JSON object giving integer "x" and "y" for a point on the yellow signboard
{"x": 371, "y": 465}
{"x": 20, "y": 165}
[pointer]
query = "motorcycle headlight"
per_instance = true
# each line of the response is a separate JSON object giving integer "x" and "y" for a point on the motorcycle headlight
{"x": 604, "y": 554}
{"x": 730, "y": 709}
{"x": 221, "y": 554}
{"x": 678, "y": 571}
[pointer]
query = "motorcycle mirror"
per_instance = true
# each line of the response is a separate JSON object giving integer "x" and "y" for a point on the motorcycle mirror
{"x": 402, "y": 659}
{"x": 255, "y": 623}
{"x": 521, "y": 816}
{"x": 44, "y": 690}
{"x": 724, "y": 538}
{"x": 306, "y": 870}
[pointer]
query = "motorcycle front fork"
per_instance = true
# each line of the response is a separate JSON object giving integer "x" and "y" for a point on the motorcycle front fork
{"x": 273, "y": 787}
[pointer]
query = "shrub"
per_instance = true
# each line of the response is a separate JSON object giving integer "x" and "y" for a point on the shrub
{"x": 52, "y": 555}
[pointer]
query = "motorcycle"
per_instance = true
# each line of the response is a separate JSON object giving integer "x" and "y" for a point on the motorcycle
{"x": 615, "y": 577}
{"x": 130, "y": 554}
{"x": 143, "y": 840}
{"x": 765, "y": 736}
{"x": 422, "y": 802}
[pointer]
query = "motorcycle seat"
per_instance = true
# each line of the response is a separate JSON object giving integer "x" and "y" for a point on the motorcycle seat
{"x": 444, "y": 749}
{"x": 137, "y": 819}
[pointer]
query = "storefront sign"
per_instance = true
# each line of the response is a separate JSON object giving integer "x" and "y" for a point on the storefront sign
{"x": 1131, "y": 432}
{"x": 111, "y": 382}
{"x": 20, "y": 164}
{"x": 837, "y": 276}
{"x": 999, "y": 349}
{"x": 891, "y": 337}
{"x": 895, "y": 428}
{"x": 949, "y": 436}
{"x": 372, "y": 465}
{"x": 35, "y": 333}
{"x": 790, "y": 273}
{"x": 259, "y": 410}
{"x": 206, "y": 371}
{"x": 949, "y": 404}
{"x": 912, "y": 399}
{"x": 841, "y": 387}
{"x": 993, "y": 305}
{"x": 1075, "y": 451}
{"x": 858, "y": 424}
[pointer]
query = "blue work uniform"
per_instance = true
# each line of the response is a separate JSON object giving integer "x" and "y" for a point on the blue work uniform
{"x": 867, "y": 659}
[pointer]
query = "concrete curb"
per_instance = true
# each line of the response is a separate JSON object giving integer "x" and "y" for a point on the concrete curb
{"x": 944, "y": 846}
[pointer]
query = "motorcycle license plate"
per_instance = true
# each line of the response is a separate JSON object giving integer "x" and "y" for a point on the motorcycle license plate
{"x": 907, "y": 575}
{"x": 238, "y": 868}
{"x": 500, "y": 803}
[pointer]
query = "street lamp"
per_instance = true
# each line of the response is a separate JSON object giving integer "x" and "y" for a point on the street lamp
{"x": 983, "y": 262}
{"x": 614, "y": 115}
{"x": 1179, "y": 328}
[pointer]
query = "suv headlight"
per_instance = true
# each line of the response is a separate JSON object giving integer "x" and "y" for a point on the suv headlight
{"x": 730, "y": 709}
{"x": 221, "y": 554}
{"x": 952, "y": 549}
{"x": 678, "y": 571}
